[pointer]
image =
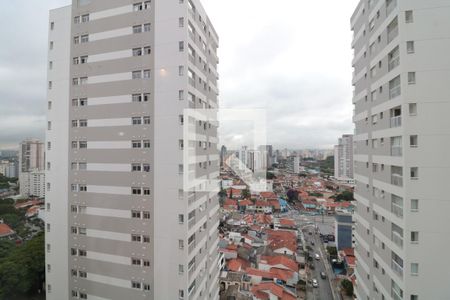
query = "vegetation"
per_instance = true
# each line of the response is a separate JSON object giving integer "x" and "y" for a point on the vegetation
{"x": 292, "y": 195}
{"x": 347, "y": 286}
{"x": 315, "y": 194}
{"x": 245, "y": 193}
{"x": 270, "y": 176}
{"x": 4, "y": 181}
{"x": 327, "y": 165}
{"x": 22, "y": 268}
{"x": 344, "y": 196}
{"x": 332, "y": 251}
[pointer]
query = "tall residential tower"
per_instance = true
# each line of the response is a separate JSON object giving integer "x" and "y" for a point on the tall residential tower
{"x": 402, "y": 102}
{"x": 343, "y": 158}
{"x": 128, "y": 214}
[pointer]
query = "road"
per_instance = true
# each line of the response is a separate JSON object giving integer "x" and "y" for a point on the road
{"x": 323, "y": 292}
{"x": 308, "y": 223}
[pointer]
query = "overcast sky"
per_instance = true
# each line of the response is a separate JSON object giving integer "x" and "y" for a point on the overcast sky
{"x": 291, "y": 57}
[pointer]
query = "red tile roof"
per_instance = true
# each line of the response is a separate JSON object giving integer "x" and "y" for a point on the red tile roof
{"x": 287, "y": 222}
{"x": 279, "y": 244}
{"x": 263, "y": 203}
{"x": 5, "y": 230}
{"x": 261, "y": 291}
{"x": 280, "y": 260}
{"x": 245, "y": 202}
{"x": 284, "y": 275}
{"x": 230, "y": 202}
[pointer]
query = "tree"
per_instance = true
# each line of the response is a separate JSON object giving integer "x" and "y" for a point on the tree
{"x": 270, "y": 176}
{"x": 332, "y": 251}
{"x": 246, "y": 193}
{"x": 344, "y": 196}
{"x": 347, "y": 285}
{"x": 292, "y": 195}
{"x": 12, "y": 220}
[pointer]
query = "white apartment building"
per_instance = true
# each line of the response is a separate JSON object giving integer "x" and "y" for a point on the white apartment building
{"x": 32, "y": 184}
{"x": 31, "y": 155}
{"x": 122, "y": 221}
{"x": 8, "y": 168}
{"x": 402, "y": 102}
{"x": 343, "y": 158}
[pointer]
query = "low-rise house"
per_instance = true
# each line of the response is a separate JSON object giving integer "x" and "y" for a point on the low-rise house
{"x": 6, "y": 232}
{"x": 279, "y": 262}
{"x": 263, "y": 207}
{"x": 230, "y": 205}
{"x": 272, "y": 291}
{"x": 246, "y": 205}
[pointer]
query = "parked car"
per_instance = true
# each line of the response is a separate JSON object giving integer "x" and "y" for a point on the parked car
{"x": 323, "y": 275}
{"x": 315, "y": 283}
{"x": 317, "y": 256}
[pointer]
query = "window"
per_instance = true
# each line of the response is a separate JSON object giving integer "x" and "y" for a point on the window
{"x": 50, "y": 65}
{"x": 146, "y": 191}
{"x": 181, "y": 119}
{"x": 414, "y": 237}
{"x": 136, "y": 144}
{"x": 136, "y": 120}
{"x": 75, "y": 81}
{"x": 82, "y": 274}
{"x": 137, "y": 29}
{"x": 84, "y": 38}
{"x": 414, "y": 172}
{"x": 146, "y": 120}
{"x": 180, "y": 95}
{"x": 181, "y": 144}
{"x": 82, "y": 144}
{"x": 147, "y": 27}
{"x": 146, "y": 287}
{"x": 146, "y": 74}
{"x": 83, "y": 188}
{"x": 413, "y": 141}
{"x": 181, "y": 244}
{"x": 410, "y": 47}
{"x": 181, "y": 219}
{"x": 137, "y": 7}
{"x": 414, "y": 297}
{"x": 137, "y": 51}
{"x": 49, "y": 125}
{"x": 49, "y": 105}
{"x": 147, "y": 4}
{"x": 180, "y": 22}
{"x": 136, "y": 191}
{"x": 146, "y": 143}
{"x": 414, "y": 269}
{"x": 180, "y": 269}
{"x": 135, "y": 285}
{"x": 409, "y": 17}
{"x": 146, "y": 167}
{"x": 135, "y": 238}
{"x": 180, "y": 70}
{"x": 51, "y": 45}
{"x": 85, "y": 18}
{"x": 412, "y": 109}
{"x": 83, "y": 296}
{"x": 181, "y": 46}
{"x": 135, "y": 261}
{"x": 146, "y": 97}
{"x": 50, "y": 85}
{"x": 137, "y": 74}
{"x": 147, "y": 50}
{"x": 414, "y": 205}
{"x": 146, "y": 215}
{"x": 76, "y": 20}
{"x": 82, "y": 253}
{"x": 83, "y": 80}
{"x": 136, "y": 97}
{"x": 146, "y": 239}
{"x": 411, "y": 77}
{"x": 83, "y": 123}
{"x": 146, "y": 263}
{"x": 135, "y": 167}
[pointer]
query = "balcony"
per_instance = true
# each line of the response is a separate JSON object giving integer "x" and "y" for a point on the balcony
{"x": 396, "y": 151}
{"x": 192, "y": 246}
{"x": 397, "y": 210}
{"x": 191, "y": 222}
{"x": 397, "y": 179}
{"x": 396, "y": 121}
{"x": 392, "y": 30}
{"x": 395, "y": 92}
{"x": 397, "y": 239}
{"x": 390, "y": 6}
{"x": 397, "y": 268}
{"x": 192, "y": 81}
{"x": 393, "y": 63}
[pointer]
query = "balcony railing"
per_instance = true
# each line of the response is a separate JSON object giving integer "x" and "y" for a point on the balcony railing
{"x": 192, "y": 81}
{"x": 393, "y": 63}
{"x": 396, "y": 151}
{"x": 191, "y": 246}
{"x": 397, "y": 179}
{"x": 395, "y": 92}
{"x": 391, "y": 6}
{"x": 191, "y": 222}
{"x": 397, "y": 239}
{"x": 396, "y": 121}
{"x": 397, "y": 210}
{"x": 397, "y": 268}
{"x": 392, "y": 34}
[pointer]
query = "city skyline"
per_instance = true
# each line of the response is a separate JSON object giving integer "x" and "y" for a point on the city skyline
{"x": 307, "y": 116}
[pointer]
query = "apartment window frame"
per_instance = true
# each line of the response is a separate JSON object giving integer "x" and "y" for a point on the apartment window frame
{"x": 409, "y": 16}
{"x": 137, "y": 29}
{"x": 147, "y": 27}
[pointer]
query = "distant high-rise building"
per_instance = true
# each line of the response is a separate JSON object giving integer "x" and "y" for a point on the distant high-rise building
{"x": 343, "y": 158}
{"x": 8, "y": 168}
{"x": 128, "y": 207}
{"x": 402, "y": 103}
{"x": 31, "y": 155}
{"x": 223, "y": 154}
{"x": 32, "y": 184}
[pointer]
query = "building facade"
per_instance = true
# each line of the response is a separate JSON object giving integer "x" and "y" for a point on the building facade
{"x": 32, "y": 184}
{"x": 343, "y": 158}
{"x": 31, "y": 155}
{"x": 128, "y": 211}
{"x": 402, "y": 99}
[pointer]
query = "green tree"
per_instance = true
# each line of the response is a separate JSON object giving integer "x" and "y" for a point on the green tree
{"x": 246, "y": 193}
{"x": 12, "y": 220}
{"x": 270, "y": 176}
{"x": 347, "y": 285}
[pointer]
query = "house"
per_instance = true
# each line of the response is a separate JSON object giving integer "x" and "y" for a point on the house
{"x": 229, "y": 279}
{"x": 6, "y": 232}
{"x": 279, "y": 262}
{"x": 283, "y": 247}
{"x": 230, "y": 205}
{"x": 246, "y": 205}
{"x": 272, "y": 291}
{"x": 237, "y": 265}
{"x": 263, "y": 207}
{"x": 267, "y": 196}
